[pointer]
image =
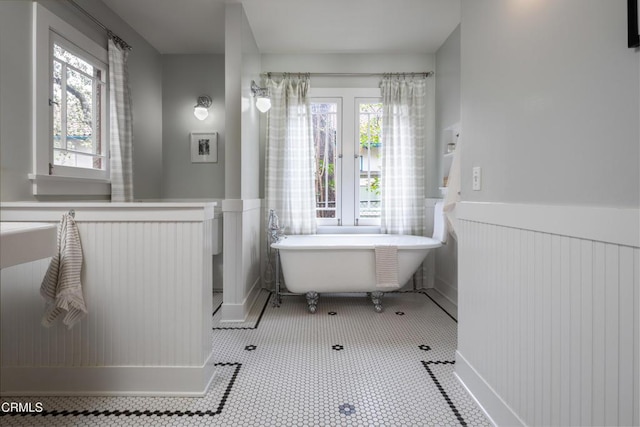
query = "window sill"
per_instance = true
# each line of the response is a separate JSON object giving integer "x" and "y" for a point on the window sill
{"x": 348, "y": 229}
{"x": 52, "y": 185}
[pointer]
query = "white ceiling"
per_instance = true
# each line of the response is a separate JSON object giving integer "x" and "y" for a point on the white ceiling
{"x": 296, "y": 26}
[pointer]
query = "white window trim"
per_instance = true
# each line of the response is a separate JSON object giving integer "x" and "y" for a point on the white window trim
{"x": 347, "y": 164}
{"x": 78, "y": 172}
{"x": 93, "y": 182}
{"x": 56, "y": 185}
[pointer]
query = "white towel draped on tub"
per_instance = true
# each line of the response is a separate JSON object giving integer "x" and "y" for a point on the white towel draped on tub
{"x": 386, "y": 267}
{"x": 61, "y": 286}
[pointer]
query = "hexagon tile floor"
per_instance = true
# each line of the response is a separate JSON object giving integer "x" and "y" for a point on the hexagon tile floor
{"x": 345, "y": 365}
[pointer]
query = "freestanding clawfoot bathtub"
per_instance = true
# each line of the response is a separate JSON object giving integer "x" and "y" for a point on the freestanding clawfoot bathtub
{"x": 317, "y": 263}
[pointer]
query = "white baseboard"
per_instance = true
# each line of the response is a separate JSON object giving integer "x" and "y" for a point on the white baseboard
{"x": 239, "y": 312}
{"x": 447, "y": 290}
{"x": 160, "y": 381}
{"x": 498, "y": 412}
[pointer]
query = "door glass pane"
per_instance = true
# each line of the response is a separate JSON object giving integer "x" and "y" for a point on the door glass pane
{"x": 325, "y": 131}
{"x": 370, "y": 125}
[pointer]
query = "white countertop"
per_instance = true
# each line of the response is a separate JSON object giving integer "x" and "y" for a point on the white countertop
{"x": 177, "y": 210}
{"x": 22, "y": 242}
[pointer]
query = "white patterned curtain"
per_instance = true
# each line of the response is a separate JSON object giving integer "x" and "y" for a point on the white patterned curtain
{"x": 121, "y": 125}
{"x": 402, "y": 175}
{"x": 290, "y": 164}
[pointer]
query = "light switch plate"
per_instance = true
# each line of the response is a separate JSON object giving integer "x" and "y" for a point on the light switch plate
{"x": 477, "y": 178}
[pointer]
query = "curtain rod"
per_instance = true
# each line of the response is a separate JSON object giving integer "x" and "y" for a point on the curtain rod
{"x": 110, "y": 33}
{"x": 412, "y": 74}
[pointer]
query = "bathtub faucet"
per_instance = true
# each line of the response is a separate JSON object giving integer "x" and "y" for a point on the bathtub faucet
{"x": 274, "y": 226}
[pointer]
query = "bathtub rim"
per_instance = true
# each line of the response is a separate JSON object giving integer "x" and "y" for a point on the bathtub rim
{"x": 423, "y": 242}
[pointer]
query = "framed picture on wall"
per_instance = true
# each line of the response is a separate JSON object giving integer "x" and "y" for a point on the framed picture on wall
{"x": 633, "y": 17}
{"x": 204, "y": 147}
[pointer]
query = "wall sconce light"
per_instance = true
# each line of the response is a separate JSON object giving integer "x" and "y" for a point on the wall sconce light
{"x": 263, "y": 102}
{"x": 201, "y": 110}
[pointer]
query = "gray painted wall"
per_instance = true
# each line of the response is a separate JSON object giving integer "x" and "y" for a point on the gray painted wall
{"x": 15, "y": 100}
{"x": 550, "y": 103}
{"x": 447, "y": 89}
{"x": 184, "y": 78}
{"x": 250, "y": 115}
{"x": 145, "y": 72}
{"x": 232, "y": 99}
{"x": 242, "y": 64}
{"x": 447, "y": 114}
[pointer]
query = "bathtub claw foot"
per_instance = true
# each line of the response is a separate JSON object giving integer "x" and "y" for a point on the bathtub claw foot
{"x": 276, "y": 300}
{"x": 376, "y": 298}
{"x": 312, "y": 301}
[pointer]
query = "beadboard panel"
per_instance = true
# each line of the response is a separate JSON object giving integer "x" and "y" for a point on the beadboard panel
{"x": 147, "y": 286}
{"x": 446, "y": 270}
{"x": 241, "y": 274}
{"x": 143, "y": 289}
{"x": 548, "y": 324}
{"x": 442, "y": 271}
{"x": 425, "y": 275}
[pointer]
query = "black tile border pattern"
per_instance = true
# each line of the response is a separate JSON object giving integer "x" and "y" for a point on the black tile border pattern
{"x": 441, "y": 389}
{"x": 216, "y": 310}
{"x": 245, "y": 328}
{"x": 139, "y": 413}
{"x": 441, "y": 308}
{"x": 423, "y": 292}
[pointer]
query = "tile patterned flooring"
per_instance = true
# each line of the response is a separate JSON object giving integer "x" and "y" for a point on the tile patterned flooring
{"x": 345, "y": 365}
